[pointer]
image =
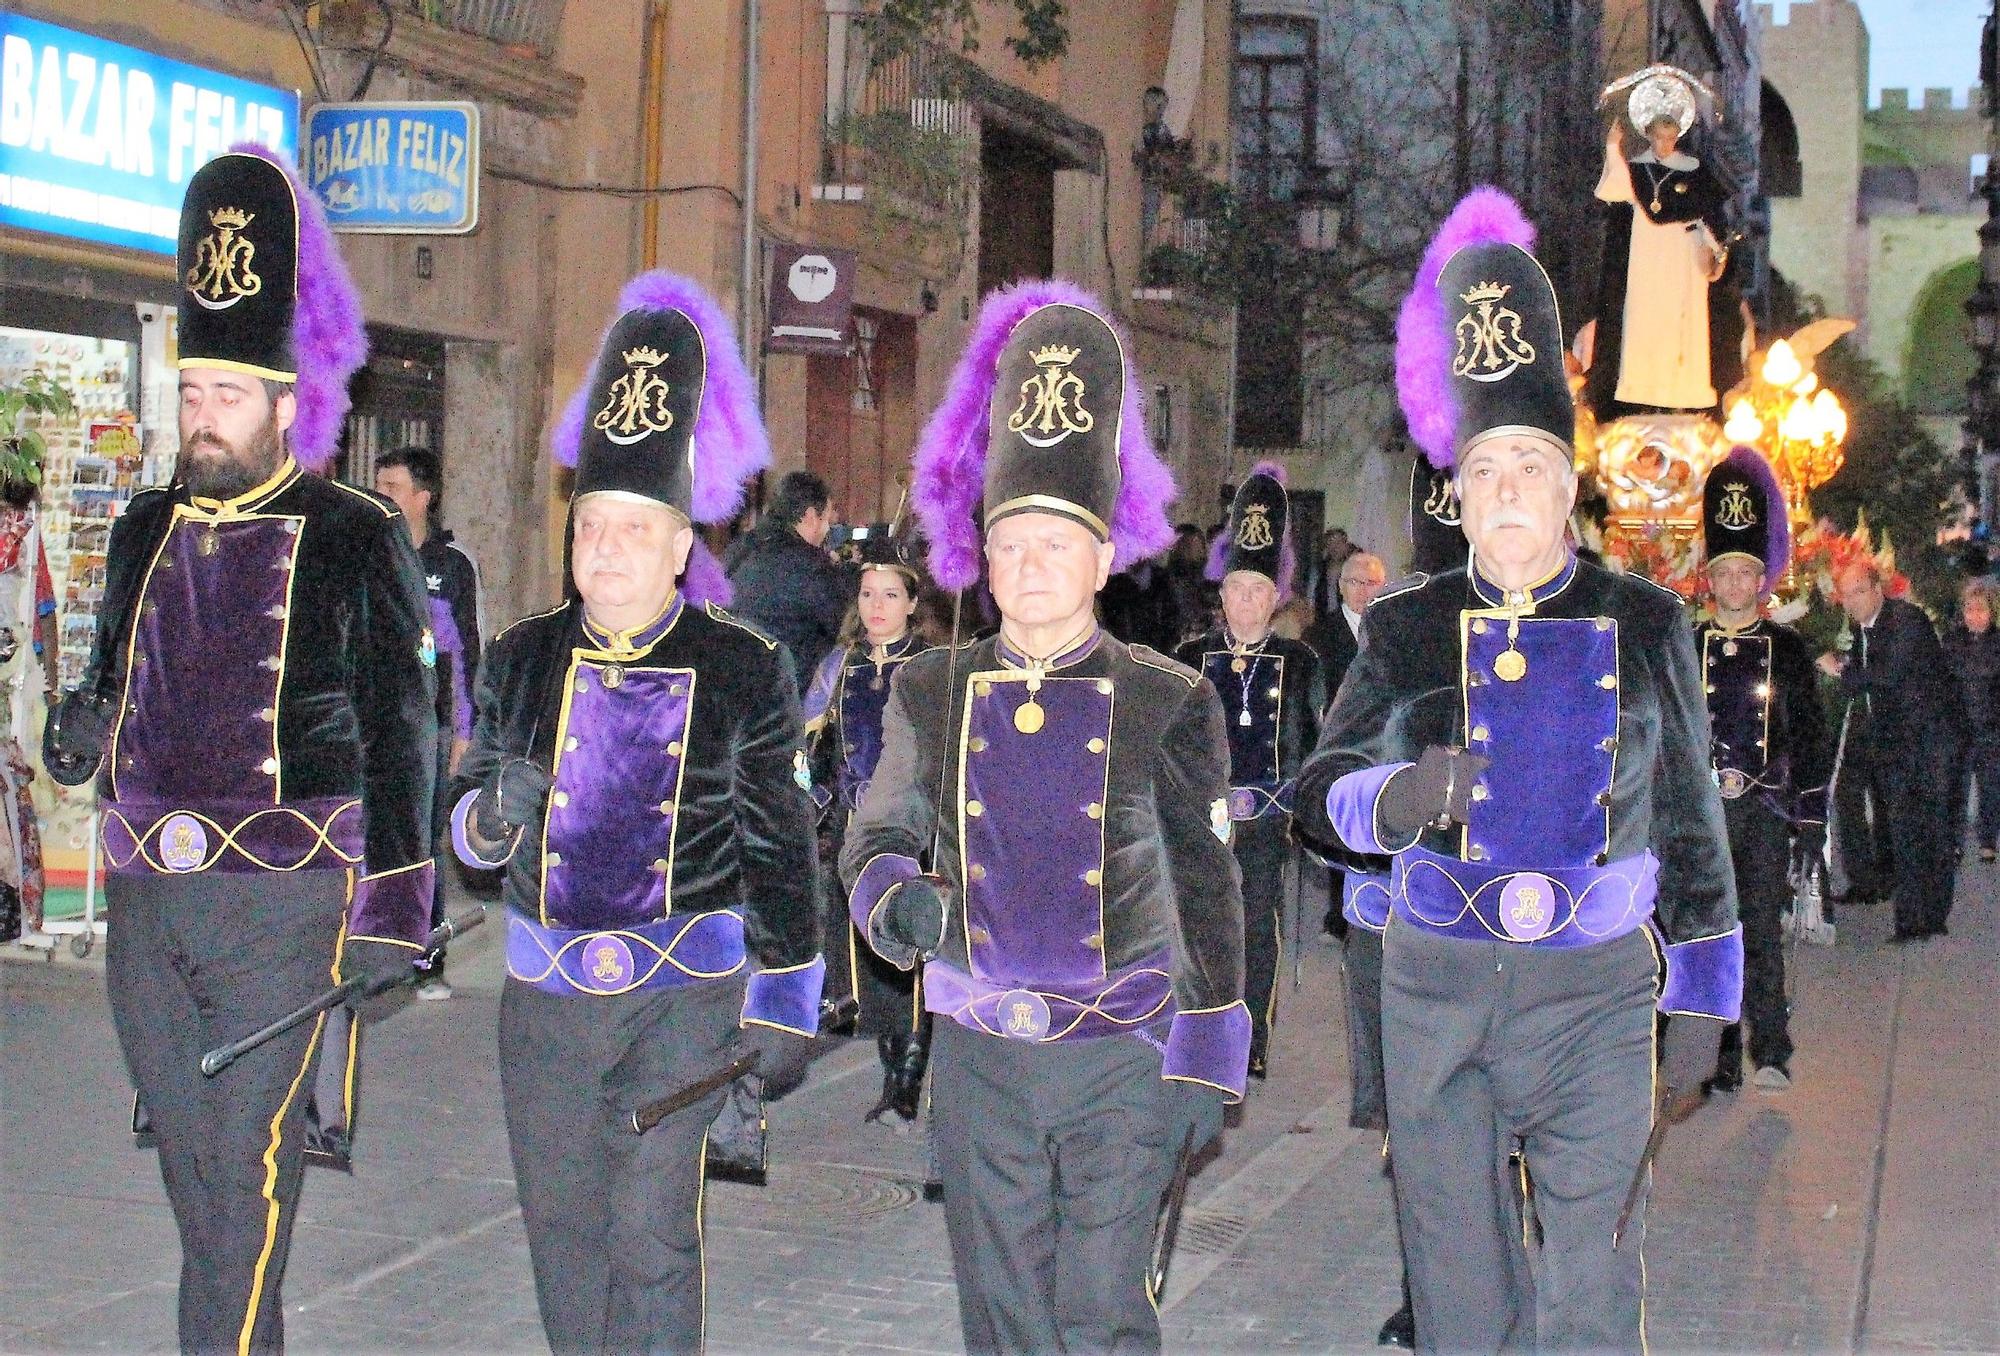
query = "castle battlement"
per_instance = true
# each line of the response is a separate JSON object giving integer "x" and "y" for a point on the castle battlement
{"x": 1939, "y": 102}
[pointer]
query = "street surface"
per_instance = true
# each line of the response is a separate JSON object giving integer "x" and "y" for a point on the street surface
{"x": 1860, "y": 1211}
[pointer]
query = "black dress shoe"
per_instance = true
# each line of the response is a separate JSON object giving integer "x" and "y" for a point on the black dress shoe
{"x": 1725, "y": 1080}
{"x": 1399, "y": 1331}
{"x": 1259, "y": 1070}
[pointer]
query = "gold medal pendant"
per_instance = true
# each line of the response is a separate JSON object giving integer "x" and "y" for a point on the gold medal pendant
{"x": 1511, "y": 666}
{"x": 1729, "y": 648}
{"x": 613, "y": 675}
{"x": 1238, "y": 664}
{"x": 1029, "y": 716}
{"x": 209, "y": 543}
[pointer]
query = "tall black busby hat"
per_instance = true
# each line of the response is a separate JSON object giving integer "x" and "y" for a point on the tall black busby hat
{"x": 1743, "y": 513}
{"x": 239, "y": 266}
{"x": 1507, "y": 352}
{"x": 884, "y": 549}
{"x": 1437, "y": 539}
{"x": 644, "y": 396}
{"x": 1257, "y": 537}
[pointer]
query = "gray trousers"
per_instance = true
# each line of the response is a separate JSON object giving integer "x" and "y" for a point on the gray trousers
{"x": 192, "y": 962}
{"x": 1486, "y": 1044}
{"x": 1053, "y": 1158}
{"x": 613, "y": 1219}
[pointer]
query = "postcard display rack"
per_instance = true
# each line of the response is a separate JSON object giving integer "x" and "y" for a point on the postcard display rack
{"x": 97, "y": 460}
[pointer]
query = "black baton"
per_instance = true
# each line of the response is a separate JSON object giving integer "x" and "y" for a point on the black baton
{"x": 651, "y": 1114}
{"x": 347, "y": 991}
{"x": 1169, "y": 1227}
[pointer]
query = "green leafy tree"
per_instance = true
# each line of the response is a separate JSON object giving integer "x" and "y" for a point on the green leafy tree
{"x": 22, "y": 447}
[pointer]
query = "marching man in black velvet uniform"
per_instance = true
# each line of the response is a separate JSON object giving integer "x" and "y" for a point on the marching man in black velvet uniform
{"x": 1526, "y": 738}
{"x": 1771, "y": 753}
{"x": 638, "y": 766}
{"x": 258, "y": 714}
{"x": 843, "y": 710}
{"x": 1082, "y": 930}
{"x": 1271, "y": 699}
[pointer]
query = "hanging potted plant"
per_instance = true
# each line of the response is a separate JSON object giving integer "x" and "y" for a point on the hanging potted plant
{"x": 22, "y": 404}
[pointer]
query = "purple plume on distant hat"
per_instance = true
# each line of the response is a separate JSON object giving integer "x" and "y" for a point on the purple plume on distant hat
{"x": 729, "y": 441}
{"x": 329, "y": 341}
{"x": 1424, "y": 342}
{"x": 951, "y": 462}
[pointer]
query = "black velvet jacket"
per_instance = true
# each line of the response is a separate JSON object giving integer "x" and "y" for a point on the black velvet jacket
{"x": 1286, "y": 696}
{"x": 732, "y": 780}
{"x": 1764, "y": 710}
{"x": 303, "y": 578}
{"x": 1405, "y": 692}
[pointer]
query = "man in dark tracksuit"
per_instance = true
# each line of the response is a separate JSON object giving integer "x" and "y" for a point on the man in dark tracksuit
{"x": 638, "y": 767}
{"x": 260, "y": 700}
{"x": 1770, "y": 753}
{"x": 1271, "y": 699}
{"x": 1526, "y": 738}
{"x": 1083, "y": 928}
{"x": 413, "y": 479}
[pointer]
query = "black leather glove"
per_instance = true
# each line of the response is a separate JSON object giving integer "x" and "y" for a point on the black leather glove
{"x": 782, "y": 1057}
{"x": 512, "y": 797}
{"x": 1687, "y": 1060}
{"x": 1199, "y": 1106}
{"x": 910, "y": 927}
{"x": 383, "y": 964}
{"x": 73, "y": 738}
{"x": 1440, "y": 782}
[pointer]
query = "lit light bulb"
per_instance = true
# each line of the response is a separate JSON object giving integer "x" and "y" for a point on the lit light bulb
{"x": 1804, "y": 385}
{"x": 1831, "y": 418}
{"x": 1744, "y": 426}
{"x": 1781, "y": 365}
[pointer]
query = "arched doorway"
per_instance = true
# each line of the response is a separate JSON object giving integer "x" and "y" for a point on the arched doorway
{"x": 1938, "y": 358}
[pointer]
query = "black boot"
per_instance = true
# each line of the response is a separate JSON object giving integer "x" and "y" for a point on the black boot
{"x": 904, "y": 1058}
{"x": 1728, "y": 1061}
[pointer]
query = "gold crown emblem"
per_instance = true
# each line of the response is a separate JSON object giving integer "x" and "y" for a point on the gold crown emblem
{"x": 1061, "y": 354}
{"x": 644, "y": 356}
{"x": 230, "y": 218}
{"x": 1486, "y": 291}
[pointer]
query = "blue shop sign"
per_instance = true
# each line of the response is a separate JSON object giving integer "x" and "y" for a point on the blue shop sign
{"x": 410, "y": 168}
{"x": 98, "y": 140}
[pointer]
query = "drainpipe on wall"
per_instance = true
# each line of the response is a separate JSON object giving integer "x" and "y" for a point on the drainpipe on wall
{"x": 655, "y": 85}
{"x": 747, "y": 281}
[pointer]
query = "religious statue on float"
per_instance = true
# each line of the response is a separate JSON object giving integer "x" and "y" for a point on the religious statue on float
{"x": 1664, "y": 246}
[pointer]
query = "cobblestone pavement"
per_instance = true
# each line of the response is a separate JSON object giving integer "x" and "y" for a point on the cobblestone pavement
{"x": 1859, "y": 1211}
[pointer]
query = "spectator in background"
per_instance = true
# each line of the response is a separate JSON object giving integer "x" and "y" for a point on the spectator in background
{"x": 1972, "y": 651}
{"x": 786, "y": 584}
{"x": 1195, "y": 598}
{"x": 412, "y": 478}
{"x": 1891, "y": 793}
{"x": 1337, "y": 635}
{"x": 1139, "y": 606}
{"x": 1334, "y": 551}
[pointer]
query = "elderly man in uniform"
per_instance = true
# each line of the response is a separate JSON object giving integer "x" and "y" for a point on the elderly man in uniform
{"x": 1271, "y": 699}
{"x": 638, "y": 766}
{"x": 1770, "y": 753}
{"x": 1083, "y": 930}
{"x": 1526, "y": 738}
{"x": 260, "y": 700}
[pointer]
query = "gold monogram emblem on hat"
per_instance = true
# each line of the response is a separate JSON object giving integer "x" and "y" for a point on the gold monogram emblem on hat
{"x": 221, "y": 275}
{"x": 1737, "y": 510}
{"x": 1255, "y": 533}
{"x": 637, "y": 405}
{"x": 1442, "y": 502}
{"x": 1051, "y": 405}
{"x": 1490, "y": 346}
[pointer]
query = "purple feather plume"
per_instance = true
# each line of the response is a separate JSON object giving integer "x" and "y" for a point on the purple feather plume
{"x": 1778, "y": 522}
{"x": 1423, "y": 332}
{"x": 730, "y": 443}
{"x": 329, "y": 341}
{"x": 1288, "y": 560}
{"x": 703, "y": 580}
{"x": 949, "y": 468}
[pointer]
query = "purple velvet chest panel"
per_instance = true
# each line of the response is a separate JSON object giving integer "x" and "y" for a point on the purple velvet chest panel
{"x": 1031, "y": 806}
{"x": 1253, "y": 685}
{"x": 1737, "y": 673}
{"x": 1551, "y": 731}
{"x": 608, "y": 842}
{"x": 864, "y": 694}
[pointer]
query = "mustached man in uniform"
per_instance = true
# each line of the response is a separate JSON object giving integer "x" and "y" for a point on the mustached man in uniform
{"x": 1771, "y": 753}
{"x": 258, "y": 713}
{"x": 638, "y": 766}
{"x": 1527, "y": 739}
{"x": 1272, "y": 695}
{"x": 843, "y": 710}
{"x": 1082, "y": 930}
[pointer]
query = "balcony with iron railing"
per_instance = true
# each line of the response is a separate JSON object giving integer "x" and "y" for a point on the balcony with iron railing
{"x": 498, "y": 49}
{"x": 528, "y": 27}
{"x": 900, "y": 132}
